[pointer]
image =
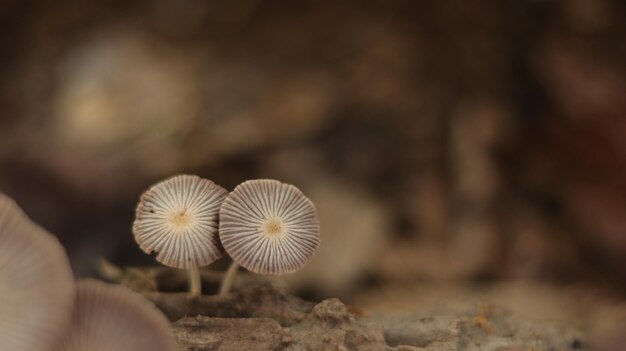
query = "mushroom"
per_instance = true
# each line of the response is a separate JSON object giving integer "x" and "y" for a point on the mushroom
{"x": 112, "y": 317}
{"x": 36, "y": 283}
{"x": 177, "y": 219}
{"x": 267, "y": 227}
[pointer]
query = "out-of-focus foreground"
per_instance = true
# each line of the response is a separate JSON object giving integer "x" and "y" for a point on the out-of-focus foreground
{"x": 445, "y": 144}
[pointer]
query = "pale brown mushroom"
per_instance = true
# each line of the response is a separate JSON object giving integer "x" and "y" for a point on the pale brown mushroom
{"x": 268, "y": 227}
{"x": 111, "y": 317}
{"x": 36, "y": 283}
{"x": 177, "y": 219}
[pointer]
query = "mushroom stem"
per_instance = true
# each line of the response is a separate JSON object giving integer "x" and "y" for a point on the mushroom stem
{"x": 195, "y": 283}
{"x": 229, "y": 278}
{"x": 109, "y": 270}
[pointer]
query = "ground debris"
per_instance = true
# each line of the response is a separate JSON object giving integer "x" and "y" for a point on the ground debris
{"x": 329, "y": 326}
{"x": 486, "y": 327}
{"x": 261, "y": 317}
{"x": 257, "y": 301}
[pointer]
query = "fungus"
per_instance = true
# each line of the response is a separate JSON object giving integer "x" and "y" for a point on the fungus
{"x": 267, "y": 227}
{"x": 111, "y": 317}
{"x": 36, "y": 283}
{"x": 177, "y": 219}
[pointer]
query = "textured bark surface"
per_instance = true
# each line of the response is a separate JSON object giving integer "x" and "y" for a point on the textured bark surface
{"x": 263, "y": 317}
{"x": 331, "y": 326}
{"x": 328, "y": 327}
{"x": 260, "y": 301}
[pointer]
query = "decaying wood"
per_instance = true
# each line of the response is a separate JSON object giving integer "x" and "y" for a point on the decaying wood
{"x": 253, "y": 301}
{"x": 263, "y": 317}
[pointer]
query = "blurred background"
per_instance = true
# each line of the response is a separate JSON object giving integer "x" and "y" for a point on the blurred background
{"x": 453, "y": 149}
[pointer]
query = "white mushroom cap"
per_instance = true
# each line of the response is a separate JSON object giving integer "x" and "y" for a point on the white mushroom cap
{"x": 178, "y": 219}
{"x": 36, "y": 283}
{"x": 269, "y": 227}
{"x": 113, "y": 318}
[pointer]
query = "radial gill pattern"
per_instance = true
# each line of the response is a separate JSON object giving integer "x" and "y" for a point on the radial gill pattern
{"x": 269, "y": 227}
{"x": 36, "y": 284}
{"x": 177, "y": 219}
{"x": 111, "y": 317}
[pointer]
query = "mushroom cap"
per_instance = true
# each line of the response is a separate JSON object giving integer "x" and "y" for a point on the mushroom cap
{"x": 178, "y": 220}
{"x": 36, "y": 283}
{"x": 269, "y": 227}
{"x": 112, "y": 317}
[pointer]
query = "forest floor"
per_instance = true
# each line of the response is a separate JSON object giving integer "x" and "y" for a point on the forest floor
{"x": 506, "y": 316}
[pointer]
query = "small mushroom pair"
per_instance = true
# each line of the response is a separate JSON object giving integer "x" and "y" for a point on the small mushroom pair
{"x": 266, "y": 226}
{"x": 42, "y": 309}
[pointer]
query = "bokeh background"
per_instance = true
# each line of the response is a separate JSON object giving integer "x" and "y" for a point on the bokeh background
{"x": 454, "y": 149}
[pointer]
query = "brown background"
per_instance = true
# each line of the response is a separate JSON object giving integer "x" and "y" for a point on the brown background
{"x": 442, "y": 142}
